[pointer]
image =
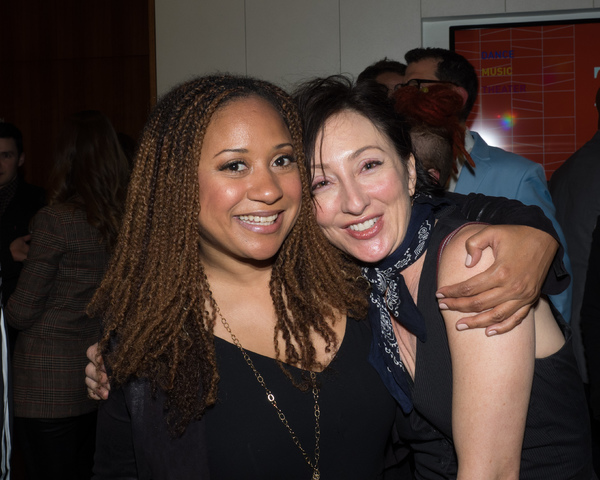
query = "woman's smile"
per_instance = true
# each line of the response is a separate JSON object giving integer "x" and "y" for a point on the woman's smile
{"x": 249, "y": 183}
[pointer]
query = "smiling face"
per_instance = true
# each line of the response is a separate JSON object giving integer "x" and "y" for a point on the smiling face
{"x": 362, "y": 192}
{"x": 250, "y": 190}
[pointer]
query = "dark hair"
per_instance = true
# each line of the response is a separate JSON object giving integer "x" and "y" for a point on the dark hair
{"x": 452, "y": 68}
{"x": 91, "y": 172}
{"x": 322, "y": 98}
{"x": 155, "y": 294}
{"x": 371, "y": 73}
{"x": 8, "y": 130}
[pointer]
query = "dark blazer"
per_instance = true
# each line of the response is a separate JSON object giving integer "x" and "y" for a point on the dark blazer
{"x": 590, "y": 322}
{"x": 65, "y": 265}
{"x": 575, "y": 189}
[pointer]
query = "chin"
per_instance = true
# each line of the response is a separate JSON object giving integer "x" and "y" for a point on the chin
{"x": 367, "y": 256}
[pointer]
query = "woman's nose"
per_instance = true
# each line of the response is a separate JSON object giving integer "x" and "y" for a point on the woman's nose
{"x": 354, "y": 199}
{"x": 265, "y": 187}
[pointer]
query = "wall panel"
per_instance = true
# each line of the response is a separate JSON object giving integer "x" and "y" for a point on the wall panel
{"x": 439, "y": 8}
{"x": 198, "y": 37}
{"x": 381, "y": 28}
{"x": 546, "y": 5}
{"x": 57, "y": 58}
{"x": 289, "y": 41}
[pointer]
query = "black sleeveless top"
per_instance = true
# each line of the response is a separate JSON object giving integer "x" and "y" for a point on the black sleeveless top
{"x": 247, "y": 440}
{"x": 557, "y": 434}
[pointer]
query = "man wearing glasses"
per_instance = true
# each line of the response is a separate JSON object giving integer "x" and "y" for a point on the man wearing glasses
{"x": 497, "y": 172}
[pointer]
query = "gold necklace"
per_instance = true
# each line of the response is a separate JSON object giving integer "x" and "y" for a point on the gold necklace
{"x": 271, "y": 398}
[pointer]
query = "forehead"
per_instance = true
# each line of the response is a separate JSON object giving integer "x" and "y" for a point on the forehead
{"x": 349, "y": 131}
{"x": 8, "y": 145}
{"x": 423, "y": 69}
{"x": 245, "y": 123}
{"x": 246, "y": 110}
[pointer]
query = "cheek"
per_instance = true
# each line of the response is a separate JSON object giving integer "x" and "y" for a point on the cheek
{"x": 325, "y": 210}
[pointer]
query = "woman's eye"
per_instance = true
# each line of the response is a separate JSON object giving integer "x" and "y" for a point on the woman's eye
{"x": 319, "y": 184}
{"x": 235, "y": 166}
{"x": 371, "y": 164}
{"x": 284, "y": 161}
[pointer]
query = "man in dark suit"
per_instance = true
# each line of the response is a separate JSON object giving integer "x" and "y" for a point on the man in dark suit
{"x": 575, "y": 188}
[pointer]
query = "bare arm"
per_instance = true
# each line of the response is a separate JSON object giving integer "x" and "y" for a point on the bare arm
{"x": 95, "y": 375}
{"x": 492, "y": 380}
{"x": 503, "y": 294}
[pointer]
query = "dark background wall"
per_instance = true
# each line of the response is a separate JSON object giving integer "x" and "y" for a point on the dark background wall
{"x": 58, "y": 57}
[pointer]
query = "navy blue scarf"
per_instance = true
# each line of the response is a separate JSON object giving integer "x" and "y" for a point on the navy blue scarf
{"x": 390, "y": 296}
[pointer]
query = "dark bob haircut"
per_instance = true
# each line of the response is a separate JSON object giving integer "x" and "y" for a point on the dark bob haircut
{"x": 322, "y": 98}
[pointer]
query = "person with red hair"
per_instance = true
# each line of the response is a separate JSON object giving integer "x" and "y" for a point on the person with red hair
{"x": 437, "y": 134}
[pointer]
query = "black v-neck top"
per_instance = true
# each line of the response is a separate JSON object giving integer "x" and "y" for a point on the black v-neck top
{"x": 246, "y": 438}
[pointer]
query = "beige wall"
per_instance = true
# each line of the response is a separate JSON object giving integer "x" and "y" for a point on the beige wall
{"x": 285, "y": 41}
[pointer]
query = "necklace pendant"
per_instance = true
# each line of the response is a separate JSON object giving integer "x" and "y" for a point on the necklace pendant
{"x": 316, "y": 474}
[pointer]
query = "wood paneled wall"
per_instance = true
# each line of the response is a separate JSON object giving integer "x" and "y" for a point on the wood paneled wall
{"x": 58, "y": 57}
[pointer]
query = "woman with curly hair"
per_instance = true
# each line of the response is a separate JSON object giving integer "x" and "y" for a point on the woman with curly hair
{"x": 70, "y": 247}
{"x": 221, "y": 276}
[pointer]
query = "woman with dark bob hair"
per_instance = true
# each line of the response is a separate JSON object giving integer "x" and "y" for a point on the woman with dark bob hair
{"x": 71, "y": 243}
{"x": 230, "y": 329}
{"x": 506, "y": 407}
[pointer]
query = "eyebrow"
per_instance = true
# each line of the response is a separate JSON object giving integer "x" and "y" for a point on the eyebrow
{"x": 357, "y": 153}
{"x": 245, "y": 150}
{"x": 366, "y": 147}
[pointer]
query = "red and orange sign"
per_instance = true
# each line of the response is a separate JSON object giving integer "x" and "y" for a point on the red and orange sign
{"x": 537, "y": 89}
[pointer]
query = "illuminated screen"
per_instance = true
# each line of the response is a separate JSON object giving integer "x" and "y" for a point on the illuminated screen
{"x": 537, "y": 85}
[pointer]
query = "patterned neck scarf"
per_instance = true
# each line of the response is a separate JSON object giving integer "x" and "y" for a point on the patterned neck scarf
{"x": 390, "y": 296}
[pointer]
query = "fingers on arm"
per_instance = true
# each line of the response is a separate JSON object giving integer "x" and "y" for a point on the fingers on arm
{"x": 508, "y": 287}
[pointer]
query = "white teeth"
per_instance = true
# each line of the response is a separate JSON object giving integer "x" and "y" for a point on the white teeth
{"x": 359, "y": 227}
{"x": 257, "y": 220}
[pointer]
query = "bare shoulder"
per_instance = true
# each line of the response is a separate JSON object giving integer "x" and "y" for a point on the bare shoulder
{"x": 452, "y": 266}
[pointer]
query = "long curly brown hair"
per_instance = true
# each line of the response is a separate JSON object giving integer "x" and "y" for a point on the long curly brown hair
{"x": 91, "y": 172}
{"x": 154, "y": 295}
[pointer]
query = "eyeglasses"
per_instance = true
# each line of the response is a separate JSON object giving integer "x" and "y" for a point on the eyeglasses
{"x": 417, "y": 82}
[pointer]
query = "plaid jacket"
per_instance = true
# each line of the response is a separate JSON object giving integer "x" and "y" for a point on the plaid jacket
{"x": 65, "y": 265}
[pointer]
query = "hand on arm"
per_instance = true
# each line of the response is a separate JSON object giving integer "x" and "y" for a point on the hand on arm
{"x": 95, "y": 375}
{"x": 492, "y": 380}
{"x": 503, "y": 294}
{"x": 19, "y": 248}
